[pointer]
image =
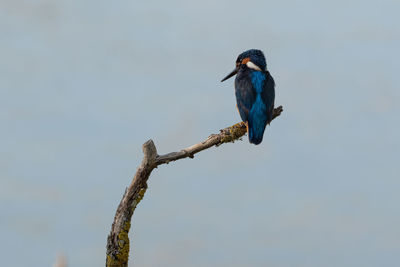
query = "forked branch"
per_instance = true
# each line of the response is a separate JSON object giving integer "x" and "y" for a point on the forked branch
{"x": 118, "y": 240}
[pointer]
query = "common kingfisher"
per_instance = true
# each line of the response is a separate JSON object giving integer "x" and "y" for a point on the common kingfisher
{"x": 255, "y": 92}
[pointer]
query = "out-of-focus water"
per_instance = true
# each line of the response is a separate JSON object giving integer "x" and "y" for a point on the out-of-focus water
{"x": 84, "y": 83}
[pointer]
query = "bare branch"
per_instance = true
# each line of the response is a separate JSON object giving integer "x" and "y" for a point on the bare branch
{"x": 118, "y": 240}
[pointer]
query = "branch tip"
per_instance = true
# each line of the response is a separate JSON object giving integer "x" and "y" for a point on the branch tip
{"x": 149, "y": 150}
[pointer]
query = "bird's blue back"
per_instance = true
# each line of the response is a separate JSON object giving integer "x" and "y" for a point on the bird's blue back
{"x": 255, "y": 94}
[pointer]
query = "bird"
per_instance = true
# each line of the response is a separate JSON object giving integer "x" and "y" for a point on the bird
{"x": 255, "y": 92}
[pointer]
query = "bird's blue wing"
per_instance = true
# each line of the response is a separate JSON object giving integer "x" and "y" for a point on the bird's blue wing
{"x": 245, "y": 94}
{"x": 268, "y": 95}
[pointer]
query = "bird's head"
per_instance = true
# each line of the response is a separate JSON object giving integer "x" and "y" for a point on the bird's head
{"x": 253, "y": 59}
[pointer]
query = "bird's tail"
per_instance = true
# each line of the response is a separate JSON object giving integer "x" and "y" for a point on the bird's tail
{"x": 256, "y": 128}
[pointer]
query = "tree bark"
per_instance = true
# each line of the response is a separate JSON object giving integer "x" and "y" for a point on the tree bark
{"x": 118, "y": 240}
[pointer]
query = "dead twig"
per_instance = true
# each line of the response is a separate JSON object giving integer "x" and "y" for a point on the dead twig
{"x": 118, "y": 240}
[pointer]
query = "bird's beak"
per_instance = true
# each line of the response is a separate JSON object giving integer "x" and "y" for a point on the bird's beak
{"x": 230, "y": 74}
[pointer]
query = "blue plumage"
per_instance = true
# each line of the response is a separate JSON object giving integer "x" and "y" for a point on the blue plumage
{"x": 255, "y": 92}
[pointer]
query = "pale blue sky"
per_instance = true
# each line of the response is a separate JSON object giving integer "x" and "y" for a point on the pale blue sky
{"x": 84, "y": 83}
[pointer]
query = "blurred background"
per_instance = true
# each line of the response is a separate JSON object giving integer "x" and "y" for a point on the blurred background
{"x": 83, "y": 84}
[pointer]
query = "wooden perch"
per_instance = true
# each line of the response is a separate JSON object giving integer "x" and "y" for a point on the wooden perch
{"x": 118, "y": 240}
